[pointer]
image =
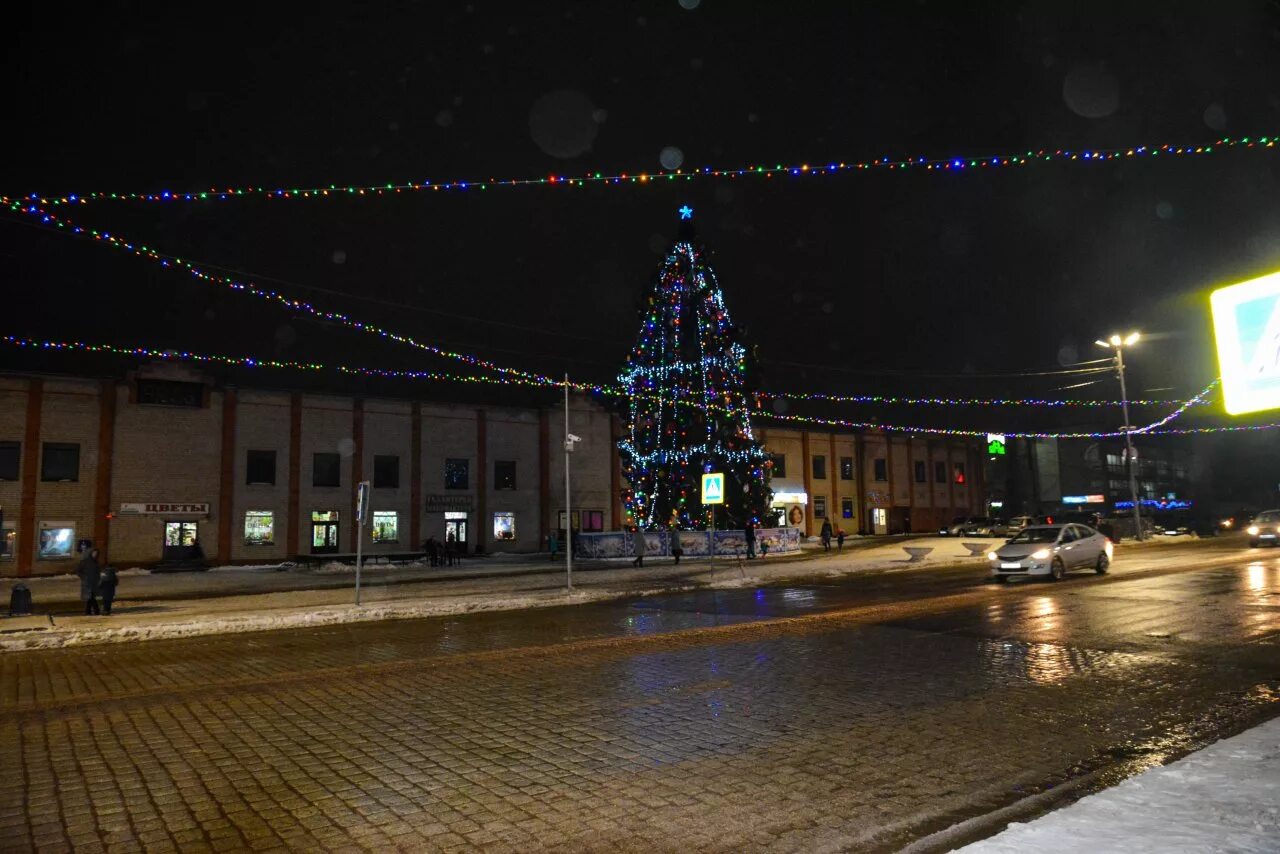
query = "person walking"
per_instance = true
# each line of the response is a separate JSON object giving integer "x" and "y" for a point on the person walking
{"x": 90, "y": 576}
{"x": 640, "y": 544}
{"x": 449, "y": 543}
{"x": 553, "y": 545}
{"x": 750, "y": 533}
{"x": 825, "y": 534}
{"x": 108, "y": 587}
{"x": 432, "y": 548}
{"x": 839, "y": 539}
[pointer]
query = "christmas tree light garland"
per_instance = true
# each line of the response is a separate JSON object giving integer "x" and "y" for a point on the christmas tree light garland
{"x": 604, "y": 391}
{"x": 644, "y": 177}
{"x": 67, "y": 226}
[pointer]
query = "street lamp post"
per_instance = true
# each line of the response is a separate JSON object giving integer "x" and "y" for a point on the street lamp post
{"x": 1118, "y": 343}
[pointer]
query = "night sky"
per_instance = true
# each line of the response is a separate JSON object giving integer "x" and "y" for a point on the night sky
{"x": 866, "y": 282}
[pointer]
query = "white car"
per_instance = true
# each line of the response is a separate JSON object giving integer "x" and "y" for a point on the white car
{"x": 1265, "y": 528}
{"x": 1052, "y": 550}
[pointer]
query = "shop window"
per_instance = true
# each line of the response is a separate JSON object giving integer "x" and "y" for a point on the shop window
{"x": 846, "y": 468}
{"x": 260, "y": 468}
{"x": 386, "y": 526}
{"x": 8, "y": 542}
{"x": 457, "y": 473}
{"x": 940, "y": 472}
{"x": 779, "y": 465}
{"x": 504, "y": 526}
{"x": 386, "y": 471}
{"x": 922, "y": 472}
{"x": 881, "y": 469}
{"x": 819, "y": 467}
{"x": 60, "y": 462}
{"x": 10, "y": 457}
{"x": 326, "y": 470}
{"x": 57, "y": 540}
{"x": 592, "y": 521}
{"x": 576, "y": 521}
{"x": 819, "y": 507}
{"x": 504, "y": 474}
{"x": 170, "y": 393}
{"x": 959, "y": 472}
{"x": 180, "y": 534}
{"x": 846, "y": 508}
{"x": 259, "y": 528}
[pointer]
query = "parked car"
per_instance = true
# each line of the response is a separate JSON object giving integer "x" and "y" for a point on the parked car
{"x": 1017, "y": 523}
{"x": 1174, "y": 526}
{"x": 1264, "y": 528}
{"x": 982, "y": 526}
{"x": 1051, "y": 550}
{"x": 955, "y": 528}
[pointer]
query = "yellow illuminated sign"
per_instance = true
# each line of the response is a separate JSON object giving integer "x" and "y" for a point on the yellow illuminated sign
{"x": 1246, "y": 325}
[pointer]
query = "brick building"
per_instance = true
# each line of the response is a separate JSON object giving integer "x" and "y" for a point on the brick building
{"x": 145, "y": 466}
{"x": 874, "y": 483}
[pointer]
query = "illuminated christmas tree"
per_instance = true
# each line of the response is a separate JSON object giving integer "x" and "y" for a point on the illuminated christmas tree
{"x": 691, "y": 394}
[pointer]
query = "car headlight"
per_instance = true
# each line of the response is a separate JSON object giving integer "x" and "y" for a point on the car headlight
{"x": 992, "y": 556}
{"x": 1253, "y": 530}
{"x": 1040, "y": 555}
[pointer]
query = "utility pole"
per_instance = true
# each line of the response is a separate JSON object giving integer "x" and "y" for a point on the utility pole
{"x": 569, "y": 441}
{"x": 1119, "y": 344}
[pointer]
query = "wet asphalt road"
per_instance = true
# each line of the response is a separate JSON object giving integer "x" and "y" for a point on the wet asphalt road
{"x": 858, "y": 714}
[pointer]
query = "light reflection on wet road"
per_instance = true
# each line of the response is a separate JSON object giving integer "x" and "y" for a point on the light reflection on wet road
{"x": 859, "y": 713}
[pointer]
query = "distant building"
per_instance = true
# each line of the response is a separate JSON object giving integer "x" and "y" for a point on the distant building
{"x": 1045, "y": 476}
{"x": 873, "y": 482}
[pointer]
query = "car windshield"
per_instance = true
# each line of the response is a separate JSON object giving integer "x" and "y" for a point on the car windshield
{"x": 1037, "y": 535}
{"x": 1269, "y": 516}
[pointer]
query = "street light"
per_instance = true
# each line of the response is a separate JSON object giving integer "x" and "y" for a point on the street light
{"x": 1119, "y": 343}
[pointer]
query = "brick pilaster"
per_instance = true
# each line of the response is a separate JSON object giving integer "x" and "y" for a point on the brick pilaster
{"x": 30, "y": 472}
{"x": 226, "y": 473}
{"x": 102, "y": 485}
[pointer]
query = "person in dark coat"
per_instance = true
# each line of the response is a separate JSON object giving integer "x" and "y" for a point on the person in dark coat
{"x": 840, "y": 539}
{"x": 750, "y": 533}
{"x": 640, "y": 544}
{"x": 90, "y": 575}
{"x": 432, "y": 548}
{"x": 825, "y": 534}
{"x": 197, "y": 551}
{"x": 107, "y": 586}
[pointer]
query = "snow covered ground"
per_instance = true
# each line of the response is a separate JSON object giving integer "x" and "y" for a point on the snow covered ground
{"x": 1223, "y": 798}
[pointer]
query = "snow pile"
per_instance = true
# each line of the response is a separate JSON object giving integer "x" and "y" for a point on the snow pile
{"x": 214, "y": 622}
{"x": 1223, "y": 798}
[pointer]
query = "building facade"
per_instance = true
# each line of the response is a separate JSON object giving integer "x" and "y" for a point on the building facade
{"x": 873, "y": 482}
{"x": 1039, "y": 476}
{"x": 147, "y": 466}
{"x": 166, "y": 465}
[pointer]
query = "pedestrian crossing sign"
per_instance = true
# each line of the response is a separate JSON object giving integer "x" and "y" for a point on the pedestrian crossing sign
{"x": 1246, "y": 324}
{"x": 713, "y": 488}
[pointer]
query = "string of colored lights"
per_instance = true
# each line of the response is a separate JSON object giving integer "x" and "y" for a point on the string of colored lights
{"x": 175, "y": 262}
{"x": 67, "y": 226}
{"x": 890, "y": 400}
{"x": 608, "y": 391}
{"x": 642, "y": 177}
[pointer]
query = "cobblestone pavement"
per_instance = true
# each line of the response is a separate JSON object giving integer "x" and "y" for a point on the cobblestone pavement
{"x": 801, "y": 718}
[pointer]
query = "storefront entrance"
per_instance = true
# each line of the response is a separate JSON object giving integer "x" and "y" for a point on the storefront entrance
{"x": 324, "y": 532}
{"x": 455, "y": 529}
{"x": 180, "y": 540}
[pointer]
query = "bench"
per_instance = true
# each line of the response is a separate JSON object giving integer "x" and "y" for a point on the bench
{"x": 916, "y": 554}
